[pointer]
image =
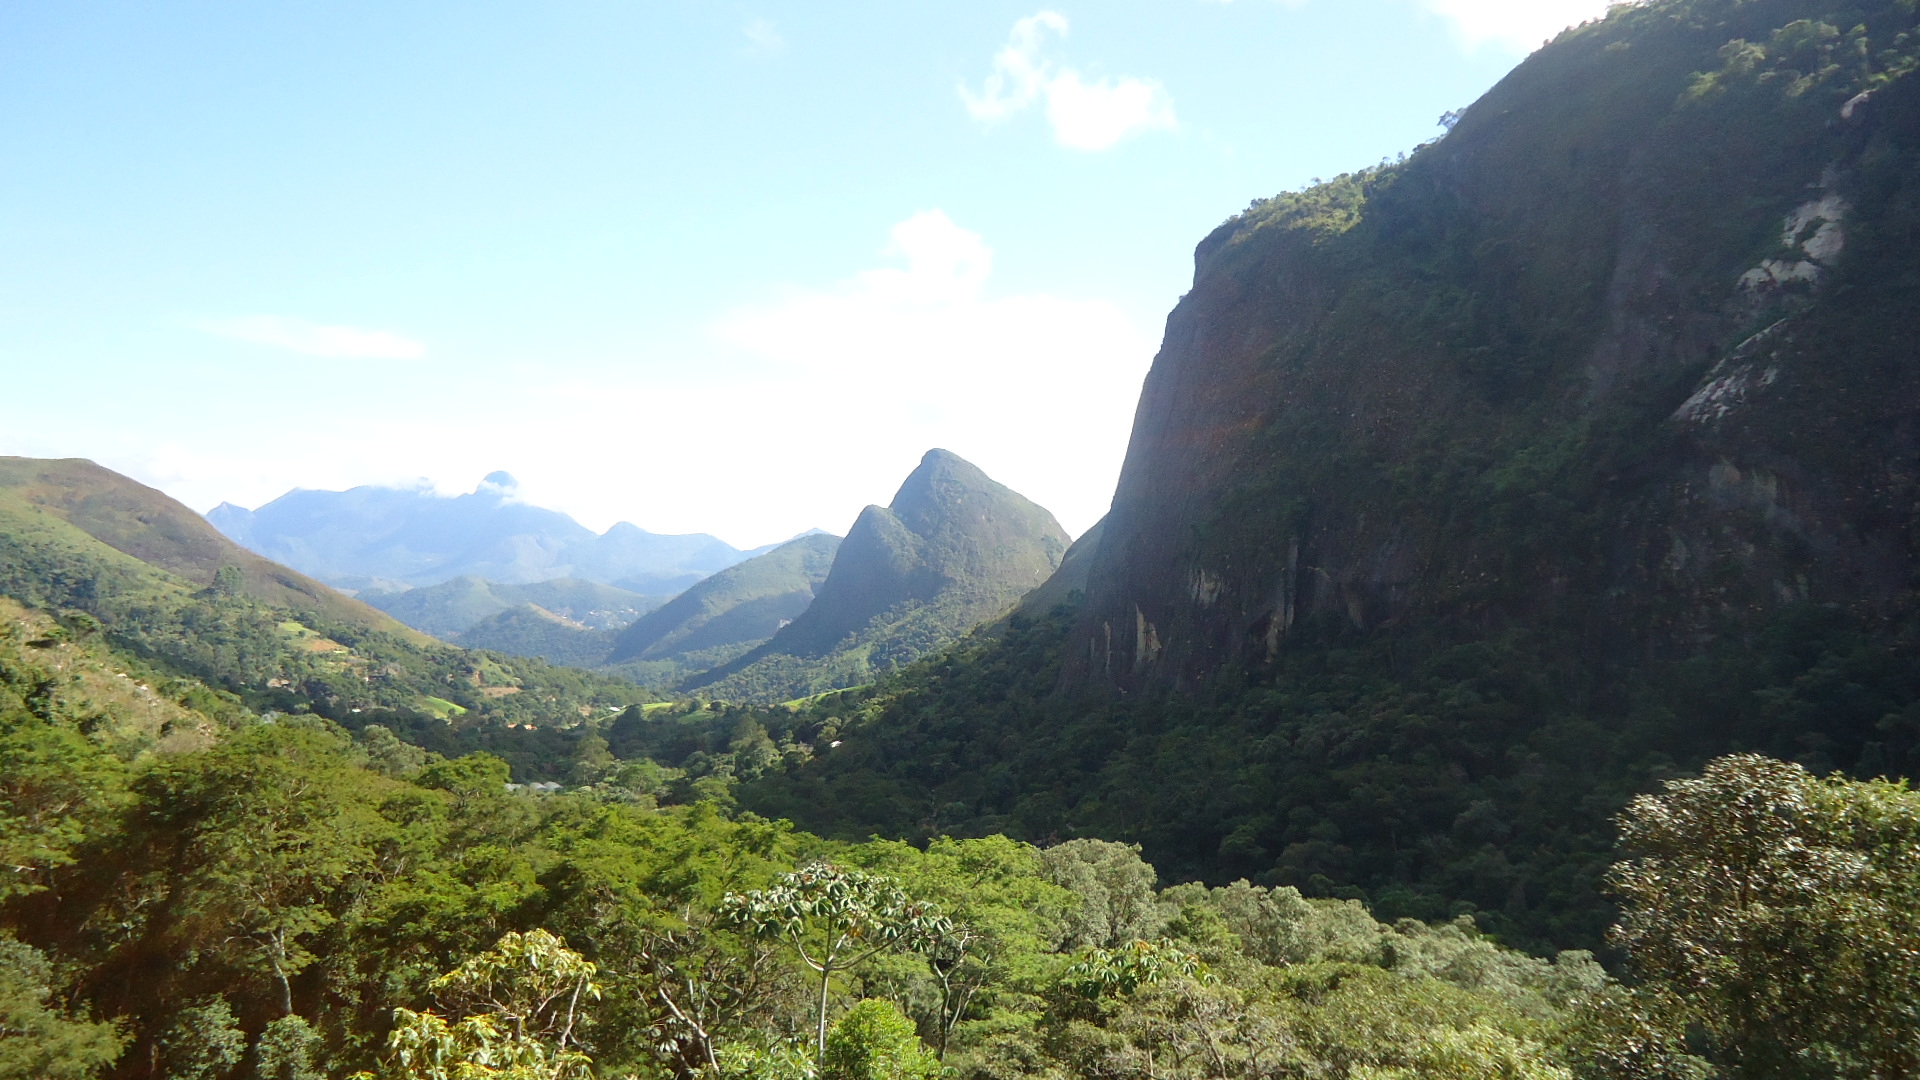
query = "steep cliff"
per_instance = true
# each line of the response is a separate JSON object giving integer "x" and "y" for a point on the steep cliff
{"x": 1474, "y": 494}
{"x": 1626, "y": 356}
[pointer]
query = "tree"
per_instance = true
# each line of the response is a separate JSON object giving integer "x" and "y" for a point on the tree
{"x": 876, "y": 1041}
{"x": 1115, "y": 887}
{"x": 204, "y": 1041}
{"x": 39, "y": 1041}
{"x": 1782, "y": 913}
{"x": 286, "y": 1051}
{"x": 835, "y": 919}
{"x": 522, "y": 1001}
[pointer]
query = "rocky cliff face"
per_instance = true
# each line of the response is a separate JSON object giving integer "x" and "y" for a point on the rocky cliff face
{"x": 1627, "y": 355}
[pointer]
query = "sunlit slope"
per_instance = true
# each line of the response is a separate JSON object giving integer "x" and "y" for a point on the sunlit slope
{"x": 160, "y": 532}
{"x": 728, "y": 614}
{"x": 338, "y": 660}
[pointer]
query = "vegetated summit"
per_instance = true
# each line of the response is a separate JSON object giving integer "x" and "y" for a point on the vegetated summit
{"x": 1471, "y": 494}
{"x": 952, "y": 551}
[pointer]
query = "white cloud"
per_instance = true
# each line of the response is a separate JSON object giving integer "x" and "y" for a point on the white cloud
{"x": 763, "y": 36}
{"x": 1037, "y": 390}
{"x": 313, "y": 339}
{"x": 1518, "y": 26}
{"x": 1085, "y": 115}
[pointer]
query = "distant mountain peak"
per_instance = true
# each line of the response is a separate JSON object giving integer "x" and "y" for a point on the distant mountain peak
{"x": 499, "y": 482}
{"x": 953, "y": 550}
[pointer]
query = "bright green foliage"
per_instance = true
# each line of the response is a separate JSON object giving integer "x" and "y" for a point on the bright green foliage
{"x": 782, "y": 1061}
{"x": 531, "y": 984}
{"x": 835, "y": 919}
{"x": 203, "y": 1042}
{"x": 38, "y": 1040}
{"x": 519, "y": 1005}
{"x": 1115, "y": 890}
{"x": 286, "y": 1050}
{"x": 875, "y": 1041}
{"x": 1125, "y": 969}
{"x": 1478, "y": 1051}
{"x": 1783, "y": 913}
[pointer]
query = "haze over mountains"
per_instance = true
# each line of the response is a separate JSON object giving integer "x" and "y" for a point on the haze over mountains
{"x": 384, "y": 538}
{"x": 953, "y": 550}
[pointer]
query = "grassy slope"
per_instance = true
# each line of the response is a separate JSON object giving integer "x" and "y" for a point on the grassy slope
{"x": 287, "y": 659}
{"x": 155, "y": 529}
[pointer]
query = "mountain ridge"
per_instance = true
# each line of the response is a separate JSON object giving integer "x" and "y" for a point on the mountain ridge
{"x": 371, "y": 535}
{"x": 953, "y": 551}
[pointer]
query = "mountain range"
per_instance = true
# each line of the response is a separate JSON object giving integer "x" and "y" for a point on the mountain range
{"x": 384, "y": 538}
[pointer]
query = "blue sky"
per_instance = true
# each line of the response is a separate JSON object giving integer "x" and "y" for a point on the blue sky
{"x": 724, "y": 267}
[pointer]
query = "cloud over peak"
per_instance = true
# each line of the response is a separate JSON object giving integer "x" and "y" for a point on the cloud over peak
{"x": 1085, "y": 115}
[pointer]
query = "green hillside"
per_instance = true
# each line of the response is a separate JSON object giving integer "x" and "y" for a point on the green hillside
{"x": 530, "y": 630}
{"x": 275, "y": 648}
{"x": 725, "y": 615}
{"x": 954, "y": 550}
{"x": 138, "y": 521}
{"x": 451, "y": 608}
{"x": 191, "y": 891}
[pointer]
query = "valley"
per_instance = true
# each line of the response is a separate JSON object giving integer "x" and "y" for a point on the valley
{"x": 1501, "y": 659}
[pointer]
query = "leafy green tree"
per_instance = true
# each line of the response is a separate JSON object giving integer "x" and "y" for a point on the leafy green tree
{"x": 53, "y": 791}
{"x": 204, "y": 1042}
{"x": 874, "y": 1040}
{"x": 1479, "y": 1050}
{"x": 1115, "y": 888}
{"x": 286, "y": 1050}
{"x": 1129, "y": 967}
{"x": 266, "y": 837}
{"x": 836, "y": 919}
{"x": 1781, "y": 912}
{"x": 520, "y": 1004}
{"x": 38, "y": 1040}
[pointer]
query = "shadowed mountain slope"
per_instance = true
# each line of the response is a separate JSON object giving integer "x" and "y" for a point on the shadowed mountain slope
{"x": 952, "y": 551}
{"x": 1472, "y": 495}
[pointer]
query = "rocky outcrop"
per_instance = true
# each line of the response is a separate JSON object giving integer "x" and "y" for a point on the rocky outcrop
{"x": 1626, "y": 354}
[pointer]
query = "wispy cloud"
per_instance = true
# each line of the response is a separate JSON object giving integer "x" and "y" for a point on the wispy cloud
{"x": 314, "y": 339}
{"x": 1085, "y": 115}
{"x": 1517, "y": 26}
{"x": 763, "y": 36}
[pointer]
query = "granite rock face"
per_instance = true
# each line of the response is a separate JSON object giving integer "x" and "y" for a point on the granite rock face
{"x": 1627, "y": 354}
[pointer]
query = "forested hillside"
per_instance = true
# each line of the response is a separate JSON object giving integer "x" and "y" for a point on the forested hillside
{"x": 194, "y": 890}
